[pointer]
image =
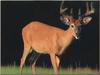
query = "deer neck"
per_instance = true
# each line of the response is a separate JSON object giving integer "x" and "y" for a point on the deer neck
{"x": 66, "y": 40}
{"x": 68, "y": 36}
{"x": 69, "y": 33}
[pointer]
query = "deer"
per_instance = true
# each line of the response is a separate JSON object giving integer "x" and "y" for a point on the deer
{"x": 47, "y": 39}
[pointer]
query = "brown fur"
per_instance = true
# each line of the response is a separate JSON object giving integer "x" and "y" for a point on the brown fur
{"x": 50, "y": 40}
{"x": 45, "y": 39}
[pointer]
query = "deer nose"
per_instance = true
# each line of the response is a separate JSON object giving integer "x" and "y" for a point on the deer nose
{"x": 78, "y": 31}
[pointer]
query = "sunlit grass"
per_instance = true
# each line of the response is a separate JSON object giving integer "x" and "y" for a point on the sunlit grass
{"x": 40, "y": 70}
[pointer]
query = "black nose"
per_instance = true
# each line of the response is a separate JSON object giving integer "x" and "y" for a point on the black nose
{"x": 78, "y": 31}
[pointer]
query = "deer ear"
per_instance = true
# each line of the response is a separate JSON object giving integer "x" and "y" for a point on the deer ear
{"x": 65, "y": 20}
{"x": 86, "y": 20}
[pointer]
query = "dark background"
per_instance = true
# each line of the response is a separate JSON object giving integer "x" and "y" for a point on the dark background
{"x": 15, "y": 15}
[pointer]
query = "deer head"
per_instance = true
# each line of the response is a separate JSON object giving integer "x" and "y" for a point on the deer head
{"x": 75, "y": 24}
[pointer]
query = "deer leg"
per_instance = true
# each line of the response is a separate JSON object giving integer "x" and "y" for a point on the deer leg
{"x": 25, "y": 54}
{"x": 54, "y": 63}
{"x": 33, "y": 69}
{"x": 33, "y": 65}
{"x": 58, "y": 61}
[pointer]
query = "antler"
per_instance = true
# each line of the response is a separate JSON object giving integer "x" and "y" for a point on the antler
{"x": 61, "y": 8}
{"x": 79, "y": 13}
{"x": 71, "y": 11}
{"x": 91, "y": 11}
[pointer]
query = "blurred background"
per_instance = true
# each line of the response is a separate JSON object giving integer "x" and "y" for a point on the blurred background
{"x": 15, "y": 15}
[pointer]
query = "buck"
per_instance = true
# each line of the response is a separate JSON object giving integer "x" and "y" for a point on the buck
{"x": 46, "y": 39}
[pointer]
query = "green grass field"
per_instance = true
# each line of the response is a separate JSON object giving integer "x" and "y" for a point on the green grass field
{"x": 40, "y": 70}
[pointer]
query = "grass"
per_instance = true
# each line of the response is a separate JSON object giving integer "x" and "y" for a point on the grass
{"x": 39, "y": 70}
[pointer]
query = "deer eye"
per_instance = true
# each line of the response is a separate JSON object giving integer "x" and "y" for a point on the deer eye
{"x": 72, "y": 26}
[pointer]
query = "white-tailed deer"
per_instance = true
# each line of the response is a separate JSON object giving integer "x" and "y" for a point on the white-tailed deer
{"x": 47, "y": 39}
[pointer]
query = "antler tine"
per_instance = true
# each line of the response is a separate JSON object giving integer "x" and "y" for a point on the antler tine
{"x": 91, "y": 11}
{"x": 87, "y": 7}
{"x": 61, "y": 9}
{"x": 92, "y": 8}
{"x": 71, "y": 11}
{"x": 91, "y": 5}
{"x": 79, "y": 13}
